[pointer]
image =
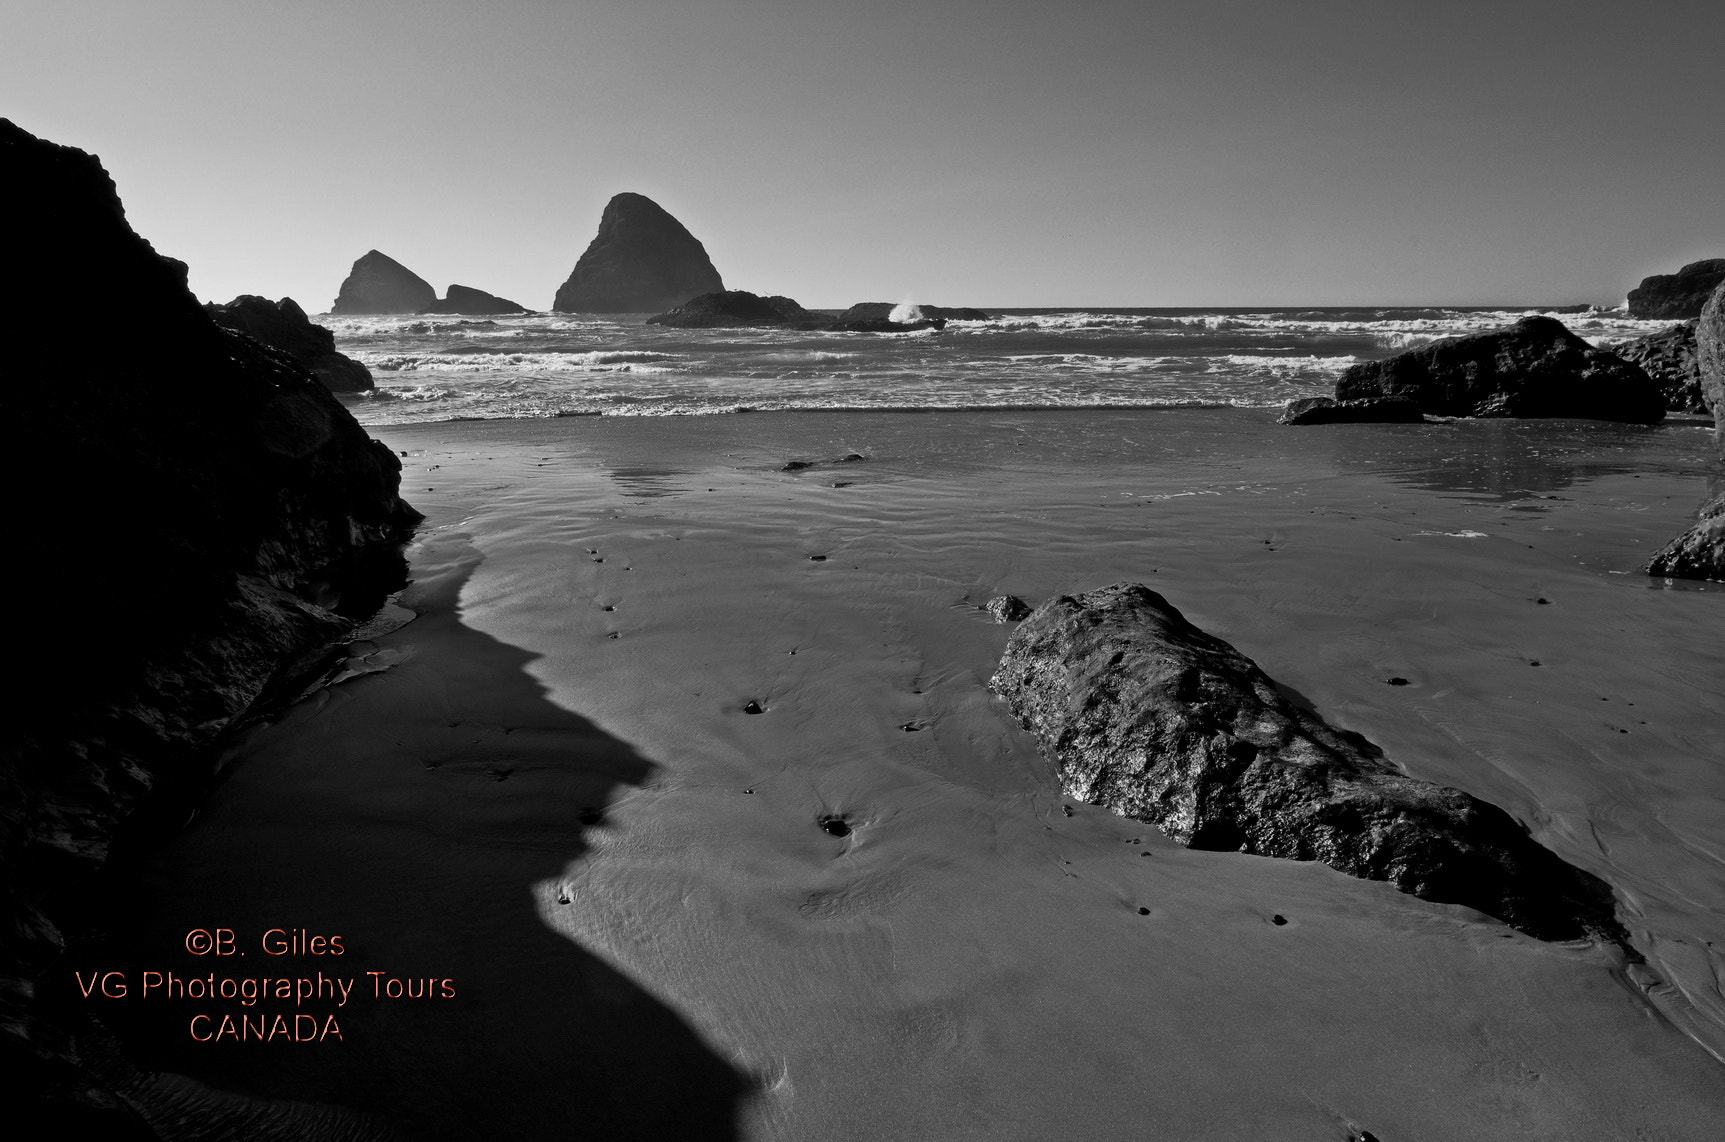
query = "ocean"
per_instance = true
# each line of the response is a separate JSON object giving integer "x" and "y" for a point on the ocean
{"x": 554, "y": 364}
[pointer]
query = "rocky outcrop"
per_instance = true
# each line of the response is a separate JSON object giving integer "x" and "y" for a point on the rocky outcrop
{"x": 204, "y": 518}
{"x": 1669, "y": 358}
{"x": 641, "y": 261}
{"x": 1710, "y": 361}
{"x": 883, "y": 311}
{"x": 1535, "y": 368}
{"x": 380, "y": 284}
{"x": 741, "y": 309}
{"x": 1154, "y": 719}
{"x": 1678, "y": 296}
{"x": 1007, "y": 609}
{"x": 283, "y": 325}
{"x": 1372, "y": 410}
{"x": 1698, "y": 553}
{"x": 466, "y": 299}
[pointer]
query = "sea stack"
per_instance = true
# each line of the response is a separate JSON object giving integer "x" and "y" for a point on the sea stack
{"x": 380, "y": 284}
{"x": 1678, "y": 296}
{"x": 641, "y": 261}
{"x": 466, "y": 299}
{"x": 283, "y": 325}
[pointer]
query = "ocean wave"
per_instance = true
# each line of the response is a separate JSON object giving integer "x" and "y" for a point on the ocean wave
{"x": 465, "y": 361}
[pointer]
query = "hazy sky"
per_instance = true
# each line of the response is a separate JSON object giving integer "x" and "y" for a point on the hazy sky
{"x": 1012, "y": 153}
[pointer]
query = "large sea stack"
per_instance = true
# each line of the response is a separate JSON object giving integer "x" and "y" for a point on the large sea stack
{"x": 1678, "y": 296}
{"x": 380, "y": 284}
{"x": 1535, "y": 368}
{"x": 466, "y": 299}
{"x": 1148, "y": 716}
{"x": 1699, "y": 553}
{"x": 641, "y": 261}
{"x": 283, "y": 325}
{"x": 202, "y": 519}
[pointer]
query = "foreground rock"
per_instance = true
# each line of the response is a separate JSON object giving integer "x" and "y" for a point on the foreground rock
{"x": 1678, "y": 296}
{"x": 283, "y": 325}
{"x": 1147, "y": 715}
{"x": 1699, "y": 553}
{"x": 739, "y": 308}
{"x": 380, "y": 284}
{"x": 1535, "y": 368}
{"x": 642, "y": 260}
{"x": 1372, "y": 410}
{"x": 884, "y": 310}
{"x": 1710, "y": 361}
{"x": 466, "y": 299}
{"x": 1007, "y": 609}
{"x": 1669, "y": 358}
{"x": 204, "y": 519}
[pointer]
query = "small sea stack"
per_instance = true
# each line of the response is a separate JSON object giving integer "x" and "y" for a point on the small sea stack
{"x": 642, "y": 260}
{"x": 466, "y": 299}
{"x": 283, "y": 325}
{"x": 380, "y": 284}
{"x": 739, "y": 308}
{"x": 1678, "y": 296}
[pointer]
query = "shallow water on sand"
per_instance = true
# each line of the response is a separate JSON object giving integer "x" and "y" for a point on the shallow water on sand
{"x": 560, "y": 793}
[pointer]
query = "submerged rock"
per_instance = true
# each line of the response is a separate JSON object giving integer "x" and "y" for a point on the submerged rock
{"x": 642, "y": 260}
{"x": 1678, "y": 296}
{"x": 1535, "y": 368}
{"x": 210, "y": 521}
{"x": 1154, "y": 719}
{"x": 1371, "y": 410}
{"x": 283, "y": 325}
{"x": 1669, "y": 358}
{"x": 380, "y": 284}
{"x": 466, "y": 299}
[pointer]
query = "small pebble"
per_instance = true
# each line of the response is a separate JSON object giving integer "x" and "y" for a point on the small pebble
{"x": 753, "y": 707}
{"x": 1397, "y": 681}
{"x": 1278, "y": 919}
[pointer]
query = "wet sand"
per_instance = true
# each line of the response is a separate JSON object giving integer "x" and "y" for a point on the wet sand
{"x": 549, "y": 790}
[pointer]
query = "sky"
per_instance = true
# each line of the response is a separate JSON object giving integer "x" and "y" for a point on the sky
{"x": 1087, "y": 153}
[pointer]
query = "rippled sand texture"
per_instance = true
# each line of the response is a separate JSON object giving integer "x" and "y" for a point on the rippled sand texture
{"x": 556, "y": 795}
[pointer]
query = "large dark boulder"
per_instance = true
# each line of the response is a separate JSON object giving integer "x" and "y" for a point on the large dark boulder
{"x": 283, "y": 325}
{"x": 740, "y": 308}
{"x": 1372, "y": 410}
{"x": 1698, "y": 553}
{"x": 641, "y": 261}
{"x": 1535, "y": 368}
{"x": 466, "y": 299}
{"x": 1710, "y": 361}
{"x": 202, "y": 519}
{"x": 380, "y": 284}
{"x": 1678, "y": 296}
{"x": 1668, "y": 356}
{"x": 882, "y": 311}
{"x": 1152, "y": 718}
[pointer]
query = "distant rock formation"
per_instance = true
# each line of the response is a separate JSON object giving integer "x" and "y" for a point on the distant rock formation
{"x": 1669, "y": 358}
{"x": 466, "y": 299}
{"x": 1678, "y": 296}
{"x": 203, "y": 519}
{"x": 883, "y": 311}
{"x": 1699, "y": 553}
{"x": 380, "y": 284}
{"x": 1152, "y": 718}
{"x": 283, "y": 325}
{"x": 1371, "y": 410}
{"x": 641, "y": 261}
{"x": 1535, "y": 368}
{"x": 739, "y": 308}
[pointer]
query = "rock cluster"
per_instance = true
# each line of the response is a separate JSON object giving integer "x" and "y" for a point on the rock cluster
{"x": 214, "y": 519}
{"x": 1678, "y": 296}
{"x": 1154, "y": 719}
{"x": 1669, "y": 358}
{"x": 642, "y": 260}
{"x": 283, "y": 325}
{"x": 380, "y": 284}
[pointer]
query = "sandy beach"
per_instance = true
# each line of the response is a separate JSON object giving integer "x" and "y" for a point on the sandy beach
{"x": 547, "y": 789}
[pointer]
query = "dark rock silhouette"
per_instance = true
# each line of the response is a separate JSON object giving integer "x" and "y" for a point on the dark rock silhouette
{"x": 1699, "y": 553}
{"x": 641, "y": 261}
{"x": 380, "y": 284}
{"x": 215, "y": 520}
{"x": 283, "y": 325}
{"x": 882, "y": 311}
{"x": 742, "y": 309}
{"x": 1669, "y": 358}
{"x": 1678, "y": 296}
{"x": 1154, "y": 719}
{"x": 1535, "y": 368}
{"x": 1371, "y": 410}
{"x": 466, "y": 299}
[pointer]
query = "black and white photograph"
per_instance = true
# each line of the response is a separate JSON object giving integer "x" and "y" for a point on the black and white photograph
{"x": 767, "y": 571}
